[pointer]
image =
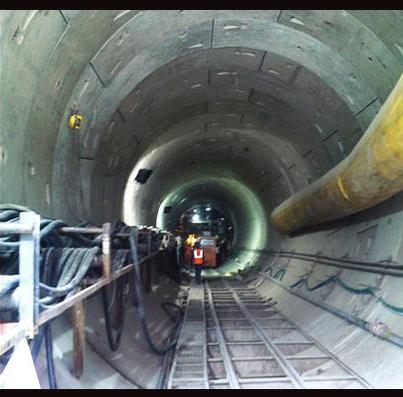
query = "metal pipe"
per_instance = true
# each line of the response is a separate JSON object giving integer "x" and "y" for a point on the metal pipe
{"x": 97, "y": 230}
{"x": 371, "y": 267}
{"x": 81, "y": 230}
{"x": 372, "y": 173}
{"x": 15, "y": 228}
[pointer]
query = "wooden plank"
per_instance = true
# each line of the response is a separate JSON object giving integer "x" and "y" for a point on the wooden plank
{"x": 78, "y": 339}
{"x": 106, "y": 250}
{"x": 11, "y": 334}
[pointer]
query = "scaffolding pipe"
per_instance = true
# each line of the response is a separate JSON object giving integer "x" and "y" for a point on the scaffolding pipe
{"x": 372, "y": 173}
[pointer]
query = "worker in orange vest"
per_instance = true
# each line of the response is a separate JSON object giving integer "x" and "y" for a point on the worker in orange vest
{"x": 198, "y": 261}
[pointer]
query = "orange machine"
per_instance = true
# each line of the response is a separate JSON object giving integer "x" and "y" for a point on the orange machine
{"x": 208, "y": 244}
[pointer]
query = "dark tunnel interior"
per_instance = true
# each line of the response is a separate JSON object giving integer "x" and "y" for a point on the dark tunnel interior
{"x": 236, "y": 109}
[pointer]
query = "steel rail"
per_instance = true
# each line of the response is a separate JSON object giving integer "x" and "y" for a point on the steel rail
{"x": 357, "y": 377}
{"x": 229, "y": 367}
{"x": 292, "y": 374}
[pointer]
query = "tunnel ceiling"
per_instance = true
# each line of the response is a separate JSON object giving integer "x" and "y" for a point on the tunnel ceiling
{"x": 272, "y": 99}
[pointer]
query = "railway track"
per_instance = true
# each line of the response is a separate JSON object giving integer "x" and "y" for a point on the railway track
{"x": 233, "y": 338}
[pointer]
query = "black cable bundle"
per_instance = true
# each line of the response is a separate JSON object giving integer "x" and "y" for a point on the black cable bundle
{"x": 63, "y": 265}
{"x": 68, "y": 266}
{"x": 114, "y": 329}
{"x": 66, "y": 260}
{"x": 118, "y": 289}
{"x": 140, "y": 299}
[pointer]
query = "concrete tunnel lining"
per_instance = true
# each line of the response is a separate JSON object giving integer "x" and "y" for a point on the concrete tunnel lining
{"x": 148, "y": 83}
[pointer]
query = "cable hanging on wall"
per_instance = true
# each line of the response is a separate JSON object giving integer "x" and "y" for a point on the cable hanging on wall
{"x": 357, "y": 291}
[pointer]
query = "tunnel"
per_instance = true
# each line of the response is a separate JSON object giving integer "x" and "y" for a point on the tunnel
{"x": 240, "y": 109}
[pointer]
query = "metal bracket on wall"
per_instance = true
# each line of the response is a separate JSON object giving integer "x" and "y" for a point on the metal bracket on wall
{"x": 28, "y": 308}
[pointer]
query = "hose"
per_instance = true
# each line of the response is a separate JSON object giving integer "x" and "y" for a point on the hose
{"x": 118, "y": 261}
{"x": 49, "y": 237}
{"x": 49, "y": 357}
{"x": 357, "y": 291}
{"x": 303, "y": 281}
{"x": 165, "y": 306}
{"x": 114, "y": 340}
{"x": 279, "y": 274}
{"x": 140, "y": 299}
{"x": 36, "y": 343}
{"x": 45, "y": 331}
{"x": 162, "y": 382}
{"x": 76, "y": 263}
{"x": 8, "y": 283}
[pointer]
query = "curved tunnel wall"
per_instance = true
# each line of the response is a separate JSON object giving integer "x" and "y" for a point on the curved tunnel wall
{"x": 282, "y": 95}
{"x": 105, "y": 68}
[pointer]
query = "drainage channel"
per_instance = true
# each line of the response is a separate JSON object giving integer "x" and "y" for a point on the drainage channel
{"x": 233, "y": 338}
